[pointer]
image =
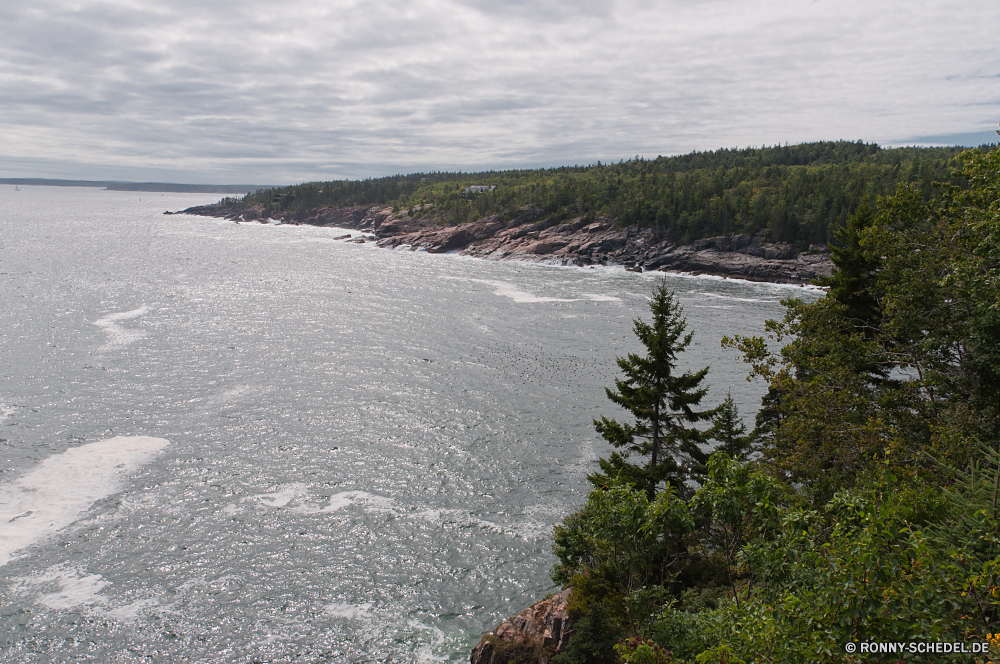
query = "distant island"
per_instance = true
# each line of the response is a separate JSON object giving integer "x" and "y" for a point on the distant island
{"x": 763, "y": 214}
{"x": 165, "y": 187}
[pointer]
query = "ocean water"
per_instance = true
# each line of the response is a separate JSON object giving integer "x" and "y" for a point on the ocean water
{"x": 226, "y": 442}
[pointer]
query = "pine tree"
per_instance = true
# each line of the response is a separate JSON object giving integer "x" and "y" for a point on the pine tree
{"x": 852, "y": 284}
{"x": 730, "y": 432}
{"x": 662, "y": 403}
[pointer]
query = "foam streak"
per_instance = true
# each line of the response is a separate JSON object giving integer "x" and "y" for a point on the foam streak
{"x": 58, "y": 490}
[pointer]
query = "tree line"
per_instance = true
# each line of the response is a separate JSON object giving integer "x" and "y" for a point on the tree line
{"x": 793, "y": 194}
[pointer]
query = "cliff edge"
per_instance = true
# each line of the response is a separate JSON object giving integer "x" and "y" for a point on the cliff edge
{"x": 574, "y": 242}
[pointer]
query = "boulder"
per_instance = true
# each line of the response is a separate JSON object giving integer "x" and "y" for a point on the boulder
{"x": 544, "y": 246}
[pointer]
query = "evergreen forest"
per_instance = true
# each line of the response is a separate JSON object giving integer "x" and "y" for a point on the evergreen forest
{"x": 864, "y": 505}
{"x": 792, "y": 194}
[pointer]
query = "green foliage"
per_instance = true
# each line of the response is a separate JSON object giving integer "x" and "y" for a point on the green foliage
{"x": 903, "y": 358}
{"x": 661, "y": 402}
{"x": 701, "y": 598}
{"x": 593, "y": 641}
{"x": 791, "y": 193}
{"x": 621, "y": 542}
{"x": 940, "y": 290}
{"x": 825, "y": 419}
{"x": 864, "y": 570}
{"x": 637, "y": 651}
{"x": 743, "y": 505}
{"x": 721, "y": 654}
{"x": 522, "y": 650}
{"x": 973, "y": 501}
{"x": 884, "y": 561}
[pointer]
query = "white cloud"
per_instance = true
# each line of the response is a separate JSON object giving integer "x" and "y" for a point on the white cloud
{"x": 280, "y": 92}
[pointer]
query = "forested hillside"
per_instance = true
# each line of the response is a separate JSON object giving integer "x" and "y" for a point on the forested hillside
{"x": 793, "y": 193}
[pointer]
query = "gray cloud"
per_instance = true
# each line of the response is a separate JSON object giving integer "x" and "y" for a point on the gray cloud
{"x": 285, "y": 92}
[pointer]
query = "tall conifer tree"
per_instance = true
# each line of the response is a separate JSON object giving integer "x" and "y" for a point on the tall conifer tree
{"x": 662, "y": 402}
{"x": 730, "y": 432}
{"x": 853, "y": 283}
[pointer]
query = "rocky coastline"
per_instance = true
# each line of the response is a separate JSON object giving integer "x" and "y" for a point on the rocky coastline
{"x": 574, "y": 242}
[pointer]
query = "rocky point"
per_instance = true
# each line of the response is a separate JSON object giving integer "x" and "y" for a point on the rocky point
{"x": 574, "y": 242}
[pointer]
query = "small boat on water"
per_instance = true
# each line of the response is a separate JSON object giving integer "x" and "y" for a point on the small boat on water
{"x": 16, "y": 188}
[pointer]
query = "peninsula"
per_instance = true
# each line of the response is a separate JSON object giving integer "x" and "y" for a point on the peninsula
{"x": 762, "y": 214}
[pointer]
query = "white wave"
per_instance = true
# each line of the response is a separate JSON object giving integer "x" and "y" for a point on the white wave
{"x": 601, "y": 298}
{"x": 78, "y": 589}
{"x": 5, "y": 411}
{"x": 75, "y": 589}
{"x": 371, "y": 502}
{"x": 345, "y": 610}
{"x": 585, "y": 461}
{"x": 283, "y": 496}
{"x": 229, "y": 395}
{"x": 425, "y": 652}
{"x": 733, "y": 298}
{"x": 527, "y": 529}
{"x": 296, "y": 498}
{"x": 433, "y": 516}
{"x": 62, "y": 487}
{"x": 117, "y": 335}
{"x": 539, "y": 520}
{"x": 656, "y": 274}
{"x": 505, "y": 289}
{"x": 131, "y": 612}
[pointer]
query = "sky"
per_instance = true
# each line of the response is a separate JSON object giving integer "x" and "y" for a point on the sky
{"x": 264, "y": 92}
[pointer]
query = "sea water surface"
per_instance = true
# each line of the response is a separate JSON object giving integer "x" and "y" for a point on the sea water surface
{"x": 228, "y": 442}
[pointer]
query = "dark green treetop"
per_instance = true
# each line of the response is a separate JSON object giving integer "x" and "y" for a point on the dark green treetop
{"x": 853, "y": 283}
{"x": 730, "y": 432}
{"x": 663, "y": 403}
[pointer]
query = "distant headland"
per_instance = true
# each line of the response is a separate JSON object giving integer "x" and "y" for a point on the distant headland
{"x": 165, "y": 187}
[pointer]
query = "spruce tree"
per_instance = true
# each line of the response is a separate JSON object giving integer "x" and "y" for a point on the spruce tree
{"x": 662, "y": 402}
{"x": 853, "y": 283}
{"x": 730, "y": 432}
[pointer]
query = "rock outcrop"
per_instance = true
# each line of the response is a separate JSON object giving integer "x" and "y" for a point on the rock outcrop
{"x": 539, "y": 632}
{"x": 574, "y": 242}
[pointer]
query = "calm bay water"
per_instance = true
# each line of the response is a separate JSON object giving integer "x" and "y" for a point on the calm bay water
{"x": 253, "y": 443}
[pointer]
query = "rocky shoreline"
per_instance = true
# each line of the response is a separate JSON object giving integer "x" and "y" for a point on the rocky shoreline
{"x": 534, "y": 635}
{"x": 574, "y": 242}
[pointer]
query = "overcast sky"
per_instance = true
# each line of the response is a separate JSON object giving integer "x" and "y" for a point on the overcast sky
{"x": 262, "y": 92}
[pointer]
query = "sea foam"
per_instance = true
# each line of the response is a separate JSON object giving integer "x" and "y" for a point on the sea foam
{"x": 58, "y": 490}
{"x": 505, "y": 289}
{"x": 117, "y": 335}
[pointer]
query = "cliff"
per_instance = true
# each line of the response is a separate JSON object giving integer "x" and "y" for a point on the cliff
{"x": 534, "y": 635}
{"x": 574, "y": 242}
